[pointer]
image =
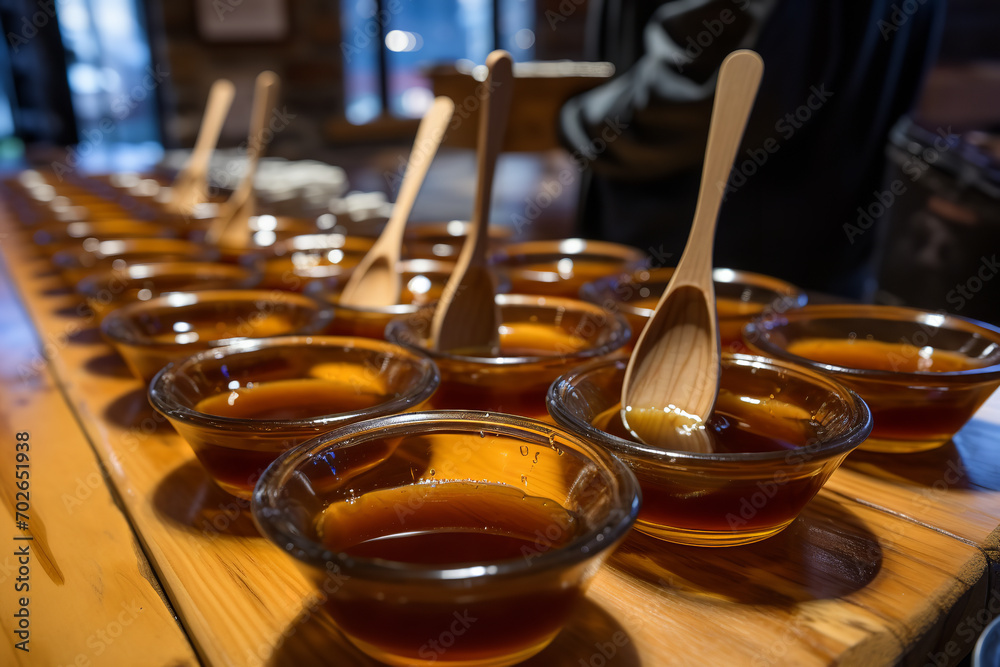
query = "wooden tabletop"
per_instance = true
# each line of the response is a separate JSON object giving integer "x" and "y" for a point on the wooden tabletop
{"x": 136, "y": 558}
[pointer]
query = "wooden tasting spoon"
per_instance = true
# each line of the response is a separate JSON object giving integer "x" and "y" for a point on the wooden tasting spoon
{"x": 672, "y": 377}
{"x": 467, "y": 316}
{"x": 190, "y": 188}
{"x": 231, "y": 226}
{"x": 376, "y": 281}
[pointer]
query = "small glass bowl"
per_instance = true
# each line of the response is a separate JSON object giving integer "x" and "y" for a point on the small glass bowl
{"x": 443, "y": 240}
{"x": 295, "y": 262}
{"x": 740, "y": 297}
{"x": 725, "y": 498}
{"x": 265, "y": 232}
{"x": 115, "y": 288}
{"x": 548, "y": 508}
{"x": 150, "y": 334}
{"x": 562, "y": 267}
{"x": 423, "y": 281}
{"x": 77, "y": 264}
{"x": 242, "y": 405}
{"x": 53, "y": 237}
{"x": 540, "y": 338}
{"x": 922, "y": 373}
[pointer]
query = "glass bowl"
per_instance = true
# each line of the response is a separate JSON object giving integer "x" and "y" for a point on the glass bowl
{"x": 443, "y": 240}
{"x": 423, "y": 281}
{"x": 540, "y": 338}
{"x": 922, "y": 373}
{"x": 780, "y": 431}
{"x": 81, "y": 262}
{"x": 114, "y": 288}
{"x": 295, "y": 262}
{"x": 265, "y": 232}
{"x": 740, "y": 297}
{"x": 562, "y": 267}
{"x": 448, "y": 538}
{"x": 53, "y": 237}
{"x": 150, "y": 334}
{"x": 242, "y": 405}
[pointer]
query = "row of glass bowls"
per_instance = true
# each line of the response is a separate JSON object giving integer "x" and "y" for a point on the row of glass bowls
{"x": 256, "y": 337}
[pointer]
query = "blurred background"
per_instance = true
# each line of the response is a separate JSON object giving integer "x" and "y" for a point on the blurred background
{"x": 123, "y": 83}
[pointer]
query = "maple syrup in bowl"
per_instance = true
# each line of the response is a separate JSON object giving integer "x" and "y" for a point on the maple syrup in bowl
{"x": 51, "y": 238}
{"x": 741, "y": 297}
{"x": 540, "y": 338}
{"x": 562, "y": 267}
{"x": 113, "y": 288}
{"x": 78, "y": 263}
{"x": 295, "y": 262}
{"x": 778, "y": 430}
{"x": 468, "y": 544}
{"x": 422, "y": 280}
{"x": 922, "y": 373}
{"x": 242, "y": 405}
{"x": 150, "y": 334}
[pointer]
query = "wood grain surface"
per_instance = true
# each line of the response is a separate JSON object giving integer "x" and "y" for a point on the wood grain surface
{"x": 92, "y": 597}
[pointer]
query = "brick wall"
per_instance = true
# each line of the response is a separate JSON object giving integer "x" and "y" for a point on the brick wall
{"x": 308, "y": 64}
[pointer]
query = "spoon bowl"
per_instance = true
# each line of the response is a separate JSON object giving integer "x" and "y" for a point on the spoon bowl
{"x": 376, "y": 280}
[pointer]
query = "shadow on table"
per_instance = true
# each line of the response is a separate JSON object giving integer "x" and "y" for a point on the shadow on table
{"x": 588, "y": 638}
{"x": 88, "y": 335}
{"x": 188, "y": 497}
{"x": 75, "y": 311}
{"x": 132, "y": 411}
{"x": 108, "y": 365}
{"x": 827, "y": 552}
{"x": 58, "y": 290}
{"x": 968, "y": 461}
{"x": 46, "y": 271}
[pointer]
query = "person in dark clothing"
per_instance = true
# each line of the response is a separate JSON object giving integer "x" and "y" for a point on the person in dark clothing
{"x": 837, "y": 76}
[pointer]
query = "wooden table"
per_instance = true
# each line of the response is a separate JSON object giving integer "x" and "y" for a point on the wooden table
{"x": 136, "y": 558}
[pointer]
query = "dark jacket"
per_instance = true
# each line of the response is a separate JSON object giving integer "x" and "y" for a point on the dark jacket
{"x": 837, "y": 75}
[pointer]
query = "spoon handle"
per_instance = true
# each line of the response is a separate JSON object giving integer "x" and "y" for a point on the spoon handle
{"x": 220, "y": 98}
{"x": 375, "y": 281}
{"x": 265, "y": 96}
{"x": 739, "y": 78}
{"x": 492, "y": 126}
{"x": 467, "y": 315}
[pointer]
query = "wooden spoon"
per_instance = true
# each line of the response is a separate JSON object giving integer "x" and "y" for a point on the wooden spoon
{"x": 231, "y": 226}
{"x": 190, "y": 188}
{"x": 672, "y": 377}
{"x": 467, "y": 316}
{"x": 376, "y": 281}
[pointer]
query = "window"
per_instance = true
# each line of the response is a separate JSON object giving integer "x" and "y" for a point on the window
{"x": 111, "y": 77}
{"x": 388, "y": 44}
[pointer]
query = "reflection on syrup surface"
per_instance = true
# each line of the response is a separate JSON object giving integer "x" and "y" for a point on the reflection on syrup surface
{"x": 882, "y": 356}
{"x": 289, "y": 399}
{"x": 205, "y": 326}
{"x": 902, "y": 412}
{"x": 451, "y": 524}
{"x": 237, "y": 461}
{"x": 729, "y": 433}
{"x": 528, "y": 339}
